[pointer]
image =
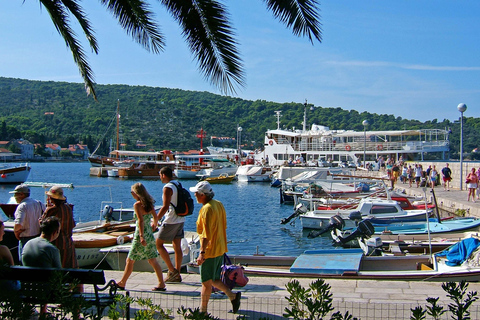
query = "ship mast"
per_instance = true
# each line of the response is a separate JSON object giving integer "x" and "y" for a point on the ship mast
{"x": 118, "y": 124}
{"x": 305, "y": 117}
{"x": 278, "y": 115}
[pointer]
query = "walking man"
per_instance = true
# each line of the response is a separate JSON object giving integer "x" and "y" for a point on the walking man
{"x": 447, "y": 176}
{"x": 212, "y": 229}
{"x": 171, "y": 229}
{"x": 27, "y": 215}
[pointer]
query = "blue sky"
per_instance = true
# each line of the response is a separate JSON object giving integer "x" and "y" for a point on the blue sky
{"x": 413, "y": 59}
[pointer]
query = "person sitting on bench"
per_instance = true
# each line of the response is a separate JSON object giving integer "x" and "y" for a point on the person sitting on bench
{"x": 40, "y": 252}
{"x": 6, "y": 259}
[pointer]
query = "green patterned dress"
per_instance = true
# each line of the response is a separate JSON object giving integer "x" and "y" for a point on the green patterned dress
{"x": 139, "y": 252}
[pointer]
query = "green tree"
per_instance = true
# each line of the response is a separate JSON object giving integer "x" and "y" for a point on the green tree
{"x": 205, "y": 24}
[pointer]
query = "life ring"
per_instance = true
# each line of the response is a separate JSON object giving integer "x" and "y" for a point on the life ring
{"x": 348, "y": 148}
{"x": 270, "y": 142}
{"x": 380, "y": 147}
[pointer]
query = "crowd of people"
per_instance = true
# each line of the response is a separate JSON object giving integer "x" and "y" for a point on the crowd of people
{"x": 44, "y": 233}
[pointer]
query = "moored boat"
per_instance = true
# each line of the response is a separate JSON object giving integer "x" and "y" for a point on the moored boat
{"x": 116, "y": 255}
{"x": 10, "y": 173}
{"x": 223, "y": 178}
{"x": 254, "y": 173}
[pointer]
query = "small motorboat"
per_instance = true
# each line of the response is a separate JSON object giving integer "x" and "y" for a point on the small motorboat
{"x": 223, "y": 178}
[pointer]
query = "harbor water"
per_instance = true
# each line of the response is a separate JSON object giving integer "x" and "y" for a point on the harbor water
{"x": 253, "y": 210}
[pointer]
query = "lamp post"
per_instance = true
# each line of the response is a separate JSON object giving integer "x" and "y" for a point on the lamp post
{"x": 239, "y": 137}
{"x": 365, "y": 124}
{"x": 461, "y": 107}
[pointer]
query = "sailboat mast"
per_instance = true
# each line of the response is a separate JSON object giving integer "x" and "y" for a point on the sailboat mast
{"x": 118, "y": 124}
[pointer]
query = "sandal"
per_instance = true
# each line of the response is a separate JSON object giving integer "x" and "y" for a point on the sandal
{"x": 159, "y": 289}
{"x": 119, "y": 287}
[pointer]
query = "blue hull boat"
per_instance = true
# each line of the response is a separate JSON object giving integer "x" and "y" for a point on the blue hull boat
{"x": 418, "y": 227}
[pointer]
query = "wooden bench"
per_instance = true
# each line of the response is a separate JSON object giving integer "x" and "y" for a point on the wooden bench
{"x": 38, "y": 285}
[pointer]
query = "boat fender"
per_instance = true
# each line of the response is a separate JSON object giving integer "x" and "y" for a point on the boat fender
{"x": 120, "y": 240}
{"x": 184, "y": 246}
{"x": 348, "y": 148}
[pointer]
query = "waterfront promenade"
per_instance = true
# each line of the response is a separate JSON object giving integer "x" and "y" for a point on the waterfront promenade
{"x": 264, "y": 297}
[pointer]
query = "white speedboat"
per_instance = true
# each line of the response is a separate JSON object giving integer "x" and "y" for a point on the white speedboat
{"x": 254, "y": 173}
{"x": 369, "y": 208}
{"x": 218, "y": 167}
{"x": 116, "y": 255}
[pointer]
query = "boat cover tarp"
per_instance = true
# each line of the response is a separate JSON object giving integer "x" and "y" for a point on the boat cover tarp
{"x": 331, "y": 261}
{"x": 459, "y": 252}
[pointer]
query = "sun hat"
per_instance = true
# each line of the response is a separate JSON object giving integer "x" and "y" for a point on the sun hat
{"x": 21, "y": 188}
{"x": 203, "y": 187}
{"x": 56, "y": 192}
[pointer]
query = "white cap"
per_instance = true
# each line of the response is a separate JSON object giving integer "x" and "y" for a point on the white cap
{"x": 203, "y": 187}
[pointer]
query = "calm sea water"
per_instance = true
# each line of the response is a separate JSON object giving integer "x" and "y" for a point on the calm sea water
{"x": 253, "y": 209}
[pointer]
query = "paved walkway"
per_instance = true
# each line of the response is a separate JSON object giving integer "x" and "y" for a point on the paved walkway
{"x": 264, "y": 297}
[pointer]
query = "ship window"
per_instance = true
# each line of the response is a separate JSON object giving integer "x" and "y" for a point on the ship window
{"x": 383, "y": 209}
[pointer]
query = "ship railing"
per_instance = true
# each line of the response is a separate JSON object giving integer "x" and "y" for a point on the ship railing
{"x": 372, "y": 146}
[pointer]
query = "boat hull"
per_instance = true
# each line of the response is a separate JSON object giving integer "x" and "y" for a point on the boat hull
{"x": 15, "y": 174}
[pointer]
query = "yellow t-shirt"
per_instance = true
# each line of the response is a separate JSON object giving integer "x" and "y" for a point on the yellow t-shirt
{"x": 212, "y": 225}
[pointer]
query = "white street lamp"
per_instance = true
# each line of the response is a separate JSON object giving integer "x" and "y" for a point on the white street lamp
{"x": 461, "y": 107}
{"x": 239, "y": 137}
{"x": 365, "y": 124}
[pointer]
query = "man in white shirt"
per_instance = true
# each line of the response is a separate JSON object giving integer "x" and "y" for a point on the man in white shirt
{"x": 27, "y": 215}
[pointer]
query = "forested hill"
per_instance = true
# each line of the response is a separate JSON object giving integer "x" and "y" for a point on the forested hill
{"x": 162, "y": 118}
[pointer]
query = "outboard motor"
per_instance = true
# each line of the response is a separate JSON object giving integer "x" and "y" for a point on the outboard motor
{"x": 372, "y": 247}
{"x": 335, "y": 222}
{"x": 108, "y": 213}
{"x": 364, "y": 230}
{"x": 355, "y": 216}
{"x": 299, "y": 209}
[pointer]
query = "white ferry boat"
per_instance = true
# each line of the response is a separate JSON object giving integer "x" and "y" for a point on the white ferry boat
{"x": 320, "y": 145}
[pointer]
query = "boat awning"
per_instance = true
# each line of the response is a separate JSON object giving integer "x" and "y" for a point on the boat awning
{"x": 332, "y": 261}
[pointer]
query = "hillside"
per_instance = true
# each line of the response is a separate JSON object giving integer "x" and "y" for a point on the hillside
{"x": 60, "y": 112}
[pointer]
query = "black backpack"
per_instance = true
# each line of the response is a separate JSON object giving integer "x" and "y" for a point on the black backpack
{"x": 184, "y": 201}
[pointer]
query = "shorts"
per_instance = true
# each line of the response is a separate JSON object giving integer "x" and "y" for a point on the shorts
{"x": 417, "y": 179}
{"x": 445, "y": 179}
{"x": 168, "y": 232}
{"x": 471, "y": 185}
{"x": 211, "y": 269}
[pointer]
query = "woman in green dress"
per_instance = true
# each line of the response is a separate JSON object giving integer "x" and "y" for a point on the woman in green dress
{"x": 143, "y": 244}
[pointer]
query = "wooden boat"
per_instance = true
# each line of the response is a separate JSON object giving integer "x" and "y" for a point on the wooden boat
{"x": 353, "y": 264}
{"x": 145, "y": 164}
{"x": 223, "y": 178}
{"x": 116, "y": 255}
{"x": 10, "y": 174}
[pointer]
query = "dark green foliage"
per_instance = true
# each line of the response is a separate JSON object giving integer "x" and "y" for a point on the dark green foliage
{"x": 195, "y": 314}
{"x": 170, "y": 118}
{"x": 461, "y": 303}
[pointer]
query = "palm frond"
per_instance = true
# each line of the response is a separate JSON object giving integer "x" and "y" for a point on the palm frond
{"x": 59, "y": 16}
{"x": 300, "y": 15}
{"x": 81, "y": 18}
{"x": 135, "y": 17}
{"x": 207, "y": 30}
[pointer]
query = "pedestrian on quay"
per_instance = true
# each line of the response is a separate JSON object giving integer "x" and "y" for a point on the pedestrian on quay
{"x": 433, "y": 176}
{"x": 212, "y": 230}
{"x": 58, "y": 207}
{"x": 143, "y": 244}
{"x": 418, "y": 174}
{"x": 472, "y": 183}
{"x": 447, "y": 177}
{"x": 27, "y": 216}
{"x": 171, "y": 229}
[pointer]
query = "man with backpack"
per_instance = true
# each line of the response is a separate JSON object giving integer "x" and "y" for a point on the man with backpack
{"x": 171, "y": 229}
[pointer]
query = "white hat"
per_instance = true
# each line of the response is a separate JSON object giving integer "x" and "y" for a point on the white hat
{"x": 21, "y": 188}
{"x": 203, "y": 187}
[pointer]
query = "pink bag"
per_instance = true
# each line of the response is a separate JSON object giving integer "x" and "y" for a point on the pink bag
{"x": 232, "y": 275}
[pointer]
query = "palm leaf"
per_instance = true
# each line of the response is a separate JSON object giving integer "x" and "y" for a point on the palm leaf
{"x": 207, "y": 30}
{"x": 300, "y": 15}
